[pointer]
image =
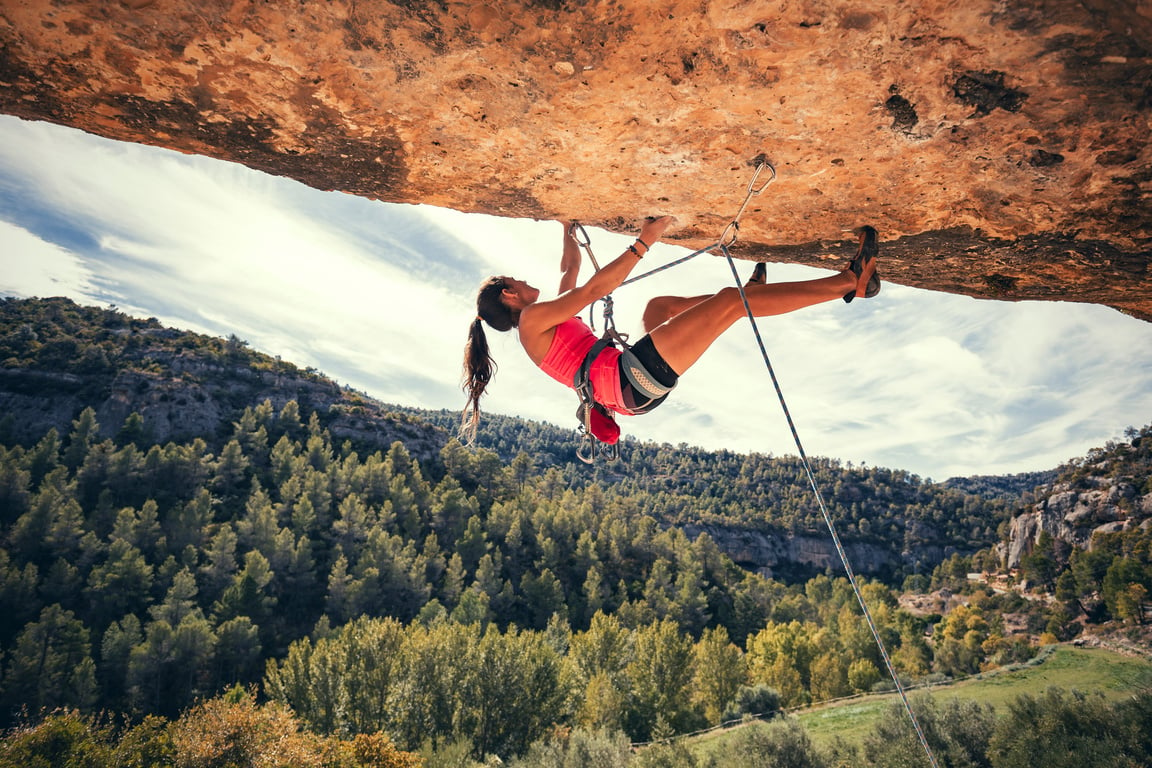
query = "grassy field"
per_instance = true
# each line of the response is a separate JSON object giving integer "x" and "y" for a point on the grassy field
{"x": 1090, "y": 670}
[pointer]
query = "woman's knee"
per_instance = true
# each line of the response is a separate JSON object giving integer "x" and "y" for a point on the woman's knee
{"x": 729, "y": 297}
{"x": 656, "y": 312}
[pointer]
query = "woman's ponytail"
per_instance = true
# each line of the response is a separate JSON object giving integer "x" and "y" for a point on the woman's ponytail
{"x": 478, "y": 369}
{"x": 479, "y": 366}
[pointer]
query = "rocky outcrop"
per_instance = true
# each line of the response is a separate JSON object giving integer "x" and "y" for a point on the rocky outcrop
{"x": 1074, "y": 516}
{"x": 783, "y": 554}
{"x": 183, "y": 395}
{"x": 1001, "y": 148}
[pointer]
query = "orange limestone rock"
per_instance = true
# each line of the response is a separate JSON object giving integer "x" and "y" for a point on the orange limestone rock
{"x": 1001, "y": 148}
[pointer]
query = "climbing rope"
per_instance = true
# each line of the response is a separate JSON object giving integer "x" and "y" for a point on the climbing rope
{"x": 731, "y": 230}
{"x": 728, "y": 238}
{"x": 824, "y": 511}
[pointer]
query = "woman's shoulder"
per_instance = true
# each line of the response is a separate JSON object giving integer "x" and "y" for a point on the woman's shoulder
{"x": 544, "y": 316}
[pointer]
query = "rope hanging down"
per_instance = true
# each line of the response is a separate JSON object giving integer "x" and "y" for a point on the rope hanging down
{"x": 728, "y": 238}
{"x": 824, "y": 511}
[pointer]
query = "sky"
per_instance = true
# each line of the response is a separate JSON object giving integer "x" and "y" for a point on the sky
{"x": 379, "y": 297}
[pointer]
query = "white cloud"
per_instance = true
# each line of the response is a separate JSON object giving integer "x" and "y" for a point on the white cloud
{"x": 380, "y": 297}
{"x": 38, "y": 268}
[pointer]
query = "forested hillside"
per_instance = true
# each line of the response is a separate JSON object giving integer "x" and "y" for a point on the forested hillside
{"x": 57, "y": 358}
{"x": 153, "y": 384}
{"x": 448, "y": 599}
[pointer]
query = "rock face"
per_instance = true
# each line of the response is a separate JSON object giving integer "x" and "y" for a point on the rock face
{"x": 1001, "y": 148}
{"x": 796, "y": 556}
{"x": 183, "y": 395}
{"x": 1074, "y": 516}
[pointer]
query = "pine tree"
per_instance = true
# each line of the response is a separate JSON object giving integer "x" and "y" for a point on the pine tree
{"x": 85, "y": 430}
{"x": 50, "y": 665}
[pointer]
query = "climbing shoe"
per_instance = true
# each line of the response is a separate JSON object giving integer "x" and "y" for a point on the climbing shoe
{"x": 863, "y": 265}
{"x": 759, "y": 275}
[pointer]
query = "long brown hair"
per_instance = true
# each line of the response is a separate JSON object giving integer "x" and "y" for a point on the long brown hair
{"x": 478, "y": 363}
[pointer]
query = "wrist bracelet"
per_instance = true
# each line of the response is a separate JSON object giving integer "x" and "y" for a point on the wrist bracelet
{"x": 638, "y": 254}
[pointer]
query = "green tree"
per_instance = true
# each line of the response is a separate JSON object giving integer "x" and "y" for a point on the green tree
{"x": 132, "y": 431}
{"x": 43, "y": 458}
{"x": 232, "y": 470}
{"x": 115, "y": 651}
{"x": 544, "y": 598}
{"x": 719, "y": 673}
{"x": 863, "y": 675}
{"x": 247, "y": 594}
{"x": 660, "y": 676}
{"x": 510, "y": 691}
{"x": 219, "y": 562}
{"x": 1124, "y": 589}
{"x": 119, "y": 585}
{"x": 780, "y": 656}
{"x": 829, "y": 676}
{"x": 85, "y": 430}
{"x": 66, "y": 739}
{"x": 957, "y": 732}
{"x": 171, "y": 667}
{"x": 580, "y": 748}
{"x": 50, "y": 665}
{"x": 1040, "y": 566}
{"x": 782, "y": 743}
{"x": 960, "y": 638}
{"x": 434, "y": 661}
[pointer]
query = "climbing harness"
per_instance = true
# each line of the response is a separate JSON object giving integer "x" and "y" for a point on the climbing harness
{"x": 599, "y": 433}
{"x": 727, "y": 238}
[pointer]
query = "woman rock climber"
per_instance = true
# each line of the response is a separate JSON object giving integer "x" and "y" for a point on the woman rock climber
{"x": 678, "y": 328}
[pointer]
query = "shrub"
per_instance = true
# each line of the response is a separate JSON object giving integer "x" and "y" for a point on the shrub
{"x": 782, "y": 743}
{"x": 62, "y": 740}
{"x": 755, "y": 700}
{"x": 578, "y": 749}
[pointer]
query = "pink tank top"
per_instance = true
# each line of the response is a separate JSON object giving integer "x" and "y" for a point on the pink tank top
{"x": 572, "y": 342}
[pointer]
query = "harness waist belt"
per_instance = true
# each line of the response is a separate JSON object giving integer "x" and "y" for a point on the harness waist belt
{"x": 639, "y": 377}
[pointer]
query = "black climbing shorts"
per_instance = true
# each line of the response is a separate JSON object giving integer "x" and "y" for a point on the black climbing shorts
{"x": 645, "y": 377}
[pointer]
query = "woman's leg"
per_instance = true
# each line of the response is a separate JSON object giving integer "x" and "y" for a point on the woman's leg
{"x": 684, "y": 336}
{"x": 663, "y": 308}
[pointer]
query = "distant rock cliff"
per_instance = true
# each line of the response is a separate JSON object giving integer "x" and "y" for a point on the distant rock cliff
{"x": 1001, "y": 148}
{"x": 790, "y": 555}
{"x": 1075, "y": 516}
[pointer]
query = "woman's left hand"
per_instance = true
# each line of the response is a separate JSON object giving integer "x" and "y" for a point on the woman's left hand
{"x": 653, "y": 229}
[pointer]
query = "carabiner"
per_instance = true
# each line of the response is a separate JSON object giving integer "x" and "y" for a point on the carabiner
{"x": 734, "y": 228}
{"x": 586, "y": 450}
{"x": 753, "y": 190}
{"x": 577, "y": 232}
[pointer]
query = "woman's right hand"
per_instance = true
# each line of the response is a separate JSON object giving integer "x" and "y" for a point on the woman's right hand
{"x": 653, "y": 229}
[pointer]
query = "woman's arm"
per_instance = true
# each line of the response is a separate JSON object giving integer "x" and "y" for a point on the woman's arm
{"x": 544, "y": 315}
{"x": 569, "y": 260}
